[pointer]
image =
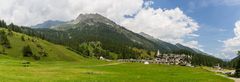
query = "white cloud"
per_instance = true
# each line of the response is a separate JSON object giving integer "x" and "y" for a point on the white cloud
{"x": 170, "y": 25}
{"x": 232, "y": 45}
{"x": 31, "y": 12}
{"x": 113, "y": 9}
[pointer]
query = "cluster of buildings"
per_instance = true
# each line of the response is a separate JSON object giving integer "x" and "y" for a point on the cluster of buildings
{"x": 170, "y": 59}
{"x": 174, "y": 59}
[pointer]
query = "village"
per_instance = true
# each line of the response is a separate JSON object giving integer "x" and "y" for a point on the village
{"x": 169, "y": 59}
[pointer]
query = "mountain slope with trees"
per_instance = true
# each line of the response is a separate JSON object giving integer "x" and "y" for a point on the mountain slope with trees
{"x": 95, "y": 35}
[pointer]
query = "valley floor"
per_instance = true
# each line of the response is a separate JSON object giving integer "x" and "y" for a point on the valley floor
{"x": 91, "y": 70}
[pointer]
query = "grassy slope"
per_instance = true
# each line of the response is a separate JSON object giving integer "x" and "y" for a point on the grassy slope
{"x": 55, "y": 52}
{"x": 64, "y": 65}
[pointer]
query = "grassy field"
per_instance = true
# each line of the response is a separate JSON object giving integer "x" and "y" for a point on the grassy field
{"x": 90, "y": 70}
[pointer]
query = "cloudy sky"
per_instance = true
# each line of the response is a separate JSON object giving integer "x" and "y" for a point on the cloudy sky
{"x": 212, "y": 26}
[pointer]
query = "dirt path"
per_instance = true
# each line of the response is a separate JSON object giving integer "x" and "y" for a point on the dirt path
{"x": 235, "y": 79}
{"x": 222, "y": 71}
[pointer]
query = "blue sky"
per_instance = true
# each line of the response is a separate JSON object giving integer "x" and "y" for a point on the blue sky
{"x": 216, "y": 20}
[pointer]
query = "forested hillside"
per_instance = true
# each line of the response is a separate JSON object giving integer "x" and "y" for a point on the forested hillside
{"x": 95, "y": 35}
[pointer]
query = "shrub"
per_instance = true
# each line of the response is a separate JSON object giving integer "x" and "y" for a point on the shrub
{"x": 27, "y": 52}
{"x": 35, "y": 57}
{"x": 23, "y": 38}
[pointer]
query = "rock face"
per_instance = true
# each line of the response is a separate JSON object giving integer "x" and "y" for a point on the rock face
{"x": 92, "y": 18}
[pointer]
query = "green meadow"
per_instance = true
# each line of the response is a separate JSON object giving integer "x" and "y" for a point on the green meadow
{"x": 92, "y": 70}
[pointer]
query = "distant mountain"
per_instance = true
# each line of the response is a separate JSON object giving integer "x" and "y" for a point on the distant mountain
{"x": 48, "y": 24}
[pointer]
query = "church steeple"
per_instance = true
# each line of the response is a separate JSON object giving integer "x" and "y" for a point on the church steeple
{"x": 158, "y": 53}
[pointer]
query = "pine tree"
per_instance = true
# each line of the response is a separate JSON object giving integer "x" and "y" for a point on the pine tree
{"x": 23, "y": 38}
{"x": 3, "y": 23}
{"x": 237, "y": 72}
{"x": 27, "y": 51}
{"x": 4, "y": 40}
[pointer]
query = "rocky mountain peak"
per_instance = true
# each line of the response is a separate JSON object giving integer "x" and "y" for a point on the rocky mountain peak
{"x": 92, "y": 18}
